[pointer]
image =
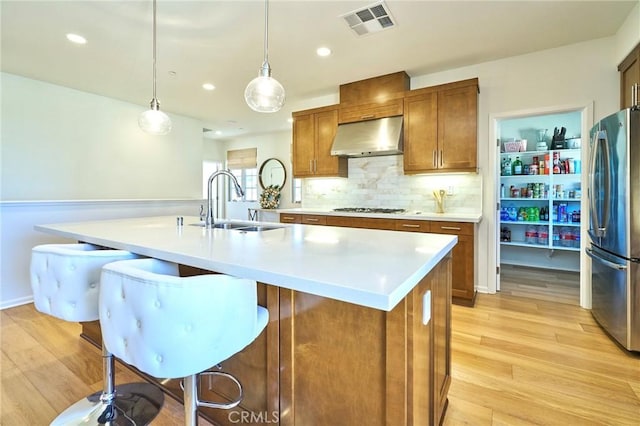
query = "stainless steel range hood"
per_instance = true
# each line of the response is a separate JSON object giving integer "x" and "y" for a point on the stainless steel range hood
{"x": 382, "y": 136}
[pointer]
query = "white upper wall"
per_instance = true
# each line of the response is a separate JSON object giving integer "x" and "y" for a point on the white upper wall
{"x": 64, "y": 144}
{"x": 628, "y": 36}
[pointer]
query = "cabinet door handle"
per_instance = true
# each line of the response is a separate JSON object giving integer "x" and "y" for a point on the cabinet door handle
{"x": 441, "y": 158}
{"x": 435, "y": 164}
{"x": 315, "y": 165}
{"x": 409, "y": 225}
{"x": 311, "y": 219}
{"x": 450, "y": 228}
{"x": 311, "y": 166}
{"x": 368, "y": 116}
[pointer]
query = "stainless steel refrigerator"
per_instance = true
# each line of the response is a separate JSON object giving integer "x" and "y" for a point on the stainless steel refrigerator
{"x": 614, "y": 225}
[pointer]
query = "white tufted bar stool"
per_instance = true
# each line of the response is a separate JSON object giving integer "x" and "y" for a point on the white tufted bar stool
{"x": 177, "y": 327}
{"x": 65, "y": 279}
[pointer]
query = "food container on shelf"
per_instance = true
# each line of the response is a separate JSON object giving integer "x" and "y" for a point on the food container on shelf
{"x": 511, "y": 146}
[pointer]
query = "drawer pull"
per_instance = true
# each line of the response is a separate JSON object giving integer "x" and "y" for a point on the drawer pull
{"x": 367, "y": 116}
{"x": 312, "y": 220}
{"x": 288, "y": 218}
{"x": 451, "y": 228}
{"x": 408, "y": 225}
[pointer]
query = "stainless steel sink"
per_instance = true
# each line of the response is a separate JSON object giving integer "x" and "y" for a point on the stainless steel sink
{"x": 257, "y": 228}
{"x": 223, "y": 225}
{"x": 240, "y": 226}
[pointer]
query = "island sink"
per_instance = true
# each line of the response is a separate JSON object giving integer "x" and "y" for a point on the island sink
{"x": 240, "y": 226}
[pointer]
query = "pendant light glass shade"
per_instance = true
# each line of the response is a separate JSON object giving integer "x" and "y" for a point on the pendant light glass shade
{"x": 264, "y": 93}
{"x": 154, "y": 121}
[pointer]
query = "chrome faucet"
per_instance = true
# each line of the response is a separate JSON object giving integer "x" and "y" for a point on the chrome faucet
{"x": 208, "y": 221}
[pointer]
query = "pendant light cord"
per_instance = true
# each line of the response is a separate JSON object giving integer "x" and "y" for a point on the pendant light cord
{"x": 154, "y": 49}
{"x": 266, "y": 31}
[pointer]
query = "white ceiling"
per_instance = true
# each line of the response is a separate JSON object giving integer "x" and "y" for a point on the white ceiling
{"x": 221, "y": 42}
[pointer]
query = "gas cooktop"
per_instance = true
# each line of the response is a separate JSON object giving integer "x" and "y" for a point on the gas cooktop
{"x": 368, "y": 210}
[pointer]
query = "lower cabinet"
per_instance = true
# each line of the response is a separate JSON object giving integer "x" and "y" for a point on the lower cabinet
{"x": 463, "y": 290}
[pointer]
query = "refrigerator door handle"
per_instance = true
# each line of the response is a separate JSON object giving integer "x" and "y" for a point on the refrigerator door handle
{"x": 598, "y": 229}
{"x": 594, "y": 256}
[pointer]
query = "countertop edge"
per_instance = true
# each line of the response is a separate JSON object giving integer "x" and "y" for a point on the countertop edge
{"x": 444, "y": 217}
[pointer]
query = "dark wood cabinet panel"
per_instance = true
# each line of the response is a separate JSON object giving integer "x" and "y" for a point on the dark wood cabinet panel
{"x": 458, "y": 129}
{"x": 630, "y": 78}
{"x": 441, "y": 128}
{"x": 376, "y": 89}
{"x": 371, "y": 111}
{"x": 361, "y": 222}
{"x": 313, "y": 133}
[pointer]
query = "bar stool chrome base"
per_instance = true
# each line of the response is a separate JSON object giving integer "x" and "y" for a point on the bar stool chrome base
{"x": 134, "y": 404}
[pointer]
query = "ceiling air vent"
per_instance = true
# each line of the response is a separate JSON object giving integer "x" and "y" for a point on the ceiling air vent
{"x": 371, "y": 19}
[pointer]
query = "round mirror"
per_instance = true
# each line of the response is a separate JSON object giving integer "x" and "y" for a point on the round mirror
{"x": 272, "y": 172}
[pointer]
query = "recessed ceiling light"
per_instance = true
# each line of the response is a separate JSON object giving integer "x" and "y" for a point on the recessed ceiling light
{"x": 75, "y": 38}
{"x": 323, "y": 51}
{"x": 208, "y": 86}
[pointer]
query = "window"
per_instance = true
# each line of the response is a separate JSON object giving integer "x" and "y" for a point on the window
{"x": 248, "y": 180}
{"x": 296, "y": 191}
{"x": 243, "y": 164}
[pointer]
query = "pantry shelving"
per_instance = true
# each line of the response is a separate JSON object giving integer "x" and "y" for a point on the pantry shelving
{"x": 541, "y": 210}
{"x": 540, "y": 195}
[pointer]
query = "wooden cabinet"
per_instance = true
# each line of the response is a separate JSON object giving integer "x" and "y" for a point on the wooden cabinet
{"x": 370, "y": 111}
{"x": 463, "y": 278}
{"x": 290, "y": 218}
{"x": 361, "y": 222}
{"x": 413, "y": 225}
{"x": 463, "y": 275}
{"x": 401, "y": 372}
{"x": 376, "y": 97}
{"x": 313, "y": 133}
{"x": 630, "y": 78}
{"x": 440, "y": 128}
{"x": 313, "y": 219}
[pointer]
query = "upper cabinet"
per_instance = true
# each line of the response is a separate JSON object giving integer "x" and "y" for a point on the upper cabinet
{"x": 441, "y": 128}
{"x": 630, "y": 79}
{"x": 376, "y": 97}
{"x": 313, "y": 133}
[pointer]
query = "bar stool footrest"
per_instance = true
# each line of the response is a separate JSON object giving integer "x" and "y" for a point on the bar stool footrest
{"x": 220, "y": 405}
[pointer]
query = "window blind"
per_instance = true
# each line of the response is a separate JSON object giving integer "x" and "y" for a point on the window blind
{"x": 242, "y": 158}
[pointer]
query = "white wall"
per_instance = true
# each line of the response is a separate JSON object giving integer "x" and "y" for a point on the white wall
{"x": 64, "y": 144}
{"x": 17, "y": 236}
{"x": 269, "y": 145}
{"x": 628, "y": 35}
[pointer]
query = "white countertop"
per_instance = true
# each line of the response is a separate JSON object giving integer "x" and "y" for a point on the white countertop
{"x": 412, "y": 215}
{"x": 366, "y": 267}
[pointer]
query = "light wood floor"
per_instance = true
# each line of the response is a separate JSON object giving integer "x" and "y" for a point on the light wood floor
{"x": 515, "y": 361}
{"x": 540, "y": 284}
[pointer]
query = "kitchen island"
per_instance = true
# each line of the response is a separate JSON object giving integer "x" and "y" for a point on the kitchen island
{"x": 359, "y": 326}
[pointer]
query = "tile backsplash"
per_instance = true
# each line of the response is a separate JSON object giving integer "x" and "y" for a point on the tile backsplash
{"x": 381, "y": 182}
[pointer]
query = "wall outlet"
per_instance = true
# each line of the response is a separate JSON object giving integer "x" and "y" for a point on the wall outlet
{"x": 426, "y": 307}
{"x": 450, "y": 190}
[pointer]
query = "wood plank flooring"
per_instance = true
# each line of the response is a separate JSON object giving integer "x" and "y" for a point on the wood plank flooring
{"x": 515, "y": 361}
{"x": 540, "y": 284}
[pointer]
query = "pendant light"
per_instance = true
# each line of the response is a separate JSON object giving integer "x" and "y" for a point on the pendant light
{"x": 264, "y": 93}
{"x": 154, "y": 121}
